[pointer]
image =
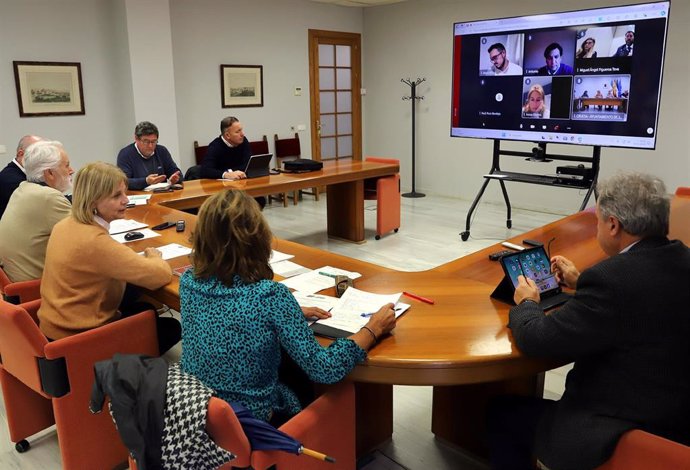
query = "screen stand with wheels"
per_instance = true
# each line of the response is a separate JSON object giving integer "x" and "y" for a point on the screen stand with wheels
{"x": 587, "y": 180}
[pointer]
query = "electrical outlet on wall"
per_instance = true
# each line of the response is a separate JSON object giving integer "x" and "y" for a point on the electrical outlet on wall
{"x": 3, "y": 149}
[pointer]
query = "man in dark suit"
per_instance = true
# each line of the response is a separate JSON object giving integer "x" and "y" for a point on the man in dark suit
{"x": 626, "y": 328}
{"x": 626, "y": 49}
{"x": 14, "y": 173}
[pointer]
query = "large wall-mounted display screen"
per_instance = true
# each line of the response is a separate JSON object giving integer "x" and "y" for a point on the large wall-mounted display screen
{"x": 589, "y": 77}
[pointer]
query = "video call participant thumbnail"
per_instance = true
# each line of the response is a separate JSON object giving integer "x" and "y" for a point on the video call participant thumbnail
{"x": 553, "y": 54}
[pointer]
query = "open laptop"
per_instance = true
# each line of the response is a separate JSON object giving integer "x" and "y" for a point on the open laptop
{"x": 258, "y": 165}
{"x": 535, "y": 264}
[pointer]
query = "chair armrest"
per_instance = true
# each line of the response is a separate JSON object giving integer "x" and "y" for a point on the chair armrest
{"x": 327, "y": 425}
{"x": 25, "y": 290}
{"x": 32, "y": 308}
{"x": 132, "y": 335}
{"x": 640, "y": 450}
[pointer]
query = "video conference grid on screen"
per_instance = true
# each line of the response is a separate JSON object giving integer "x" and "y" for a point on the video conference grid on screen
{"x": 589, "y": 77}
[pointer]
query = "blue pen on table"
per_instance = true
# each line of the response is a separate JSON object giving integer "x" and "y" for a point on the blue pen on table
{"x": 323, "y": 273}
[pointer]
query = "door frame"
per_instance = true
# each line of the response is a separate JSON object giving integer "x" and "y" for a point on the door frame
{"x": 354, "y": 40}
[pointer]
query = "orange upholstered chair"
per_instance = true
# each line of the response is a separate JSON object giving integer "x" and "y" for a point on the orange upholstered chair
{"x": 683, "y": 191}
{"x": 46, "y": 383}
{"x": 226, "y": 431}
{"x": 18, "y": 292}
{"x": 386, "y": 192}
{"x": 327, "y": 425}
{"x": 640, "y": 450}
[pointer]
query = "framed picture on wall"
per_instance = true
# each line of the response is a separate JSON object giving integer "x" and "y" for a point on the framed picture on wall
{"x": 242, "y": 86}
{"x": 49, "y": 88}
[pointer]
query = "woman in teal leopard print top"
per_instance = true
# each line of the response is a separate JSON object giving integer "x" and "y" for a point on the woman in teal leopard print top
{"x": 235, "y": 318}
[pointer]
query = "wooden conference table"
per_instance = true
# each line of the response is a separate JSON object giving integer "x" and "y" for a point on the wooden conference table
{"x": 345, "y": 198}
{"x": 460, "y": 345}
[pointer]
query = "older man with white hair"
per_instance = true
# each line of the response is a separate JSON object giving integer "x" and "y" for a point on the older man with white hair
{"x": 34, "y": 208}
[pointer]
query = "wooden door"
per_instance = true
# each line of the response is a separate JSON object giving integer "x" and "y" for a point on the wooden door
{"x": 335, "y": 94}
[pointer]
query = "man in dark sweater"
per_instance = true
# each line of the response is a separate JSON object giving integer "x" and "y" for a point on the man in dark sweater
{"x": 228, "y": 154}
{"x": 626, "y": 328}
{"x": 13, "y": 174}
{"x": 145, "y": 162}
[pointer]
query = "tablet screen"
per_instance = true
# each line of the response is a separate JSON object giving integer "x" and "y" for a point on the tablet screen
{"x": 532, "y": 263}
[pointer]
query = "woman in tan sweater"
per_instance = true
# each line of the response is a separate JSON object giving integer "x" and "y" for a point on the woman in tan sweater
{"x": 86, "y": 271}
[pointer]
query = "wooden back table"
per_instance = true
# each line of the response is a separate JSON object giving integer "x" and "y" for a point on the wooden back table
{"x": 460, "y": 345}
{"x": 345, "y": 199}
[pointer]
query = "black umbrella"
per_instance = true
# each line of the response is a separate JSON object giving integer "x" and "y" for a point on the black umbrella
{"x": 263, "y": 436}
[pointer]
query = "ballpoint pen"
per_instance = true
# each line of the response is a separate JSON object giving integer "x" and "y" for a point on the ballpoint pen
{"x": 323, "y": 273}
{"x": 367, "y": 315}
{"x": 419, "y": 297}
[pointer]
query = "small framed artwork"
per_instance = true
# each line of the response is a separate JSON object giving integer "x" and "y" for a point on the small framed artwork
{"x": 242, "y": 86}
{"x": 49, "y": 88}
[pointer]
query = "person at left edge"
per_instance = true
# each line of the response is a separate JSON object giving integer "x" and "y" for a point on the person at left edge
{"x": 33, "y": 210}
{"x": 144, "y": 161}
{"x": 14, "y": 173}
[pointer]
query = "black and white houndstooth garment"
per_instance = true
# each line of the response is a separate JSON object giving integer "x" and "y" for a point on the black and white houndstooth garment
{"x": 185, "y": 443}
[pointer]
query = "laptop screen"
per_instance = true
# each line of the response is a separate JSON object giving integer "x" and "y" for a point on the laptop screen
{"x": 258, "y": 165}
{"x": 534, "y": 264}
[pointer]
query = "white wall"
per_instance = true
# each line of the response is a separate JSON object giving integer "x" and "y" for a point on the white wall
{"x": 88, "y": 31}
{"x": 272, "y": 33}
{"x": 151, "y": 65}
{"x": 414, "y": 39}
{"x": 410, "y": 39}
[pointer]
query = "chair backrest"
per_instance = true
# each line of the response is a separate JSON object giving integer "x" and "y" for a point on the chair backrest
{"x": 18, "y": 292}
{"x": 287, "y": 147}
{"x": 199, "y": 152}
{"x": 4, "y": 280}
{"x": 21, "y": 344}
{"x": 193, "y": 173}
{"x": 640, "y": 450}
{"x": 259, "y": 147}
{"x": 683, "y": 191}
{"x": 226, "y": 431}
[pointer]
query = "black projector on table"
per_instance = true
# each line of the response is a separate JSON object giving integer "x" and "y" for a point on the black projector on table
{"x": 302, "y": 165}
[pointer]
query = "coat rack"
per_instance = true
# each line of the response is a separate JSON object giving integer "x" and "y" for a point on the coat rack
{"x": 413, "y": 98}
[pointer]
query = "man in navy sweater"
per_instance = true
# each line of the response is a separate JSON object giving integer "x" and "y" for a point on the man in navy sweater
{"x": 144, "y": 161}
{"x": 228, "y": 154}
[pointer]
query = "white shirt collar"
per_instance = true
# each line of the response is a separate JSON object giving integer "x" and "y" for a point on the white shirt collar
{"x": 19, "y": 165}
{"x": 100, "y": 221}
{"x": 627, "y": 248}
{"x": 142, "y": 155}
{"x": 227, "y": 143}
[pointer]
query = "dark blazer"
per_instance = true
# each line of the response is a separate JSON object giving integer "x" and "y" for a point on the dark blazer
{"x": 628, "y": 330}
{"x": 10, "y": 177}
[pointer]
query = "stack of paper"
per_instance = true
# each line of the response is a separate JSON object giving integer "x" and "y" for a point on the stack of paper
{"x": 352, "y": 311}
{"x": 138, "y": 199}
{"x": 318, "y": 279}
{"x": 152, "y": 187}
{"x": 125, "y": 225}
